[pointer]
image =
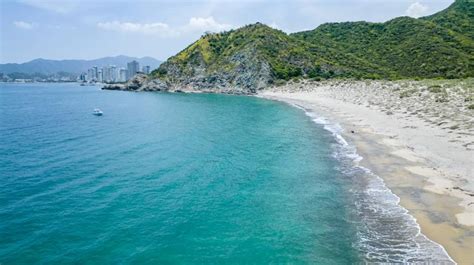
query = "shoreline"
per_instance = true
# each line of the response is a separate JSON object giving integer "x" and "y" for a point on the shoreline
{"x": 439, "y": 196}
{"x": 433, "y": 195}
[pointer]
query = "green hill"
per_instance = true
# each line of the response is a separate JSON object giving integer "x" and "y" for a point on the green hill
{"x": 458, "y": 18}
{"x": 254, "y": 56}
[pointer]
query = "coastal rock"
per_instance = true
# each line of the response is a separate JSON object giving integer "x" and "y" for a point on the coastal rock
{"x": 114, "y": 87}
{"x": 140, "y": 82}
{"x": 155, "y": 85}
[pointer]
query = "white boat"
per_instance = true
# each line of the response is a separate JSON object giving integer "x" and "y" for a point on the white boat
{"x": 97, "y": 112}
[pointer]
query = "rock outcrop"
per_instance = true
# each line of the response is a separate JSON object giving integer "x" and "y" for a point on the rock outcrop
{"x": 140, "y": 82}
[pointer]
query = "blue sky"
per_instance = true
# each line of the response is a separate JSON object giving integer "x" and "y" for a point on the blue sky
{"x": 73, "y": 29}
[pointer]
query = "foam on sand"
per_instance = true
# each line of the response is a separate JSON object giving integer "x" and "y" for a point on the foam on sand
{"x": 386, "y": 230}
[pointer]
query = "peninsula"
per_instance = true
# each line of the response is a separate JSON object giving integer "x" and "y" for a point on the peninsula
{"x": 257, "y": 56}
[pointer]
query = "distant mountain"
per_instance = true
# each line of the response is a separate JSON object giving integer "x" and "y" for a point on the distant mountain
{"x": 255, "y": 56}
{"x": 44, "y": 66}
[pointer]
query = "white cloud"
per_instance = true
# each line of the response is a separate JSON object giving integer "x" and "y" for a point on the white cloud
{"x": 416, "y": 10}
{"x": 24, "y": 25}
{"x": 206, "y": 24}
{"x": 58, "y": 6}
{"x": 145, "y": 28}
{"x": 275, "y": 26}
{"x": 195, "y": 24}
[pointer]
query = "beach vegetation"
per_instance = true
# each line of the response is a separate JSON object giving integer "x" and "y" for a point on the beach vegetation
{"x": 436, "y": 89}
{"x": 408, "y": 93}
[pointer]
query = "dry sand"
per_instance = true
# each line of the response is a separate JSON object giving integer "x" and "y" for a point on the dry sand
{"x": 417, "y": 136}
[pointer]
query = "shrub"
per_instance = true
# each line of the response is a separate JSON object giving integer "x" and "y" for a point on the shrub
{"x": 280, "y": 82}
{"x": 159, "y": 72}
{"x": 407, "y": 93}
{"x": 435, "y": 89}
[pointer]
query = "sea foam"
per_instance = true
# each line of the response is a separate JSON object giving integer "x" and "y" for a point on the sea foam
{"x": 386, "y": 231}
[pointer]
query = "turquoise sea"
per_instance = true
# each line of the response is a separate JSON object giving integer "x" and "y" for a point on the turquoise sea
{"x": 187, "y": 179}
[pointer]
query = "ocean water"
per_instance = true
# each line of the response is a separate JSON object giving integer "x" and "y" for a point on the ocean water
{"x": 187, "y": 178}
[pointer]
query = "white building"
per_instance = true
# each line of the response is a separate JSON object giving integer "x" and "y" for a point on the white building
{"x": 113, "y": 73}
{"x": 90, "y": 75}
{"x": 100, "y": 77}
{"x": 95, "y": 71}
{"x": 105, "y": 74}
{"x": 109, "y": 73}
{"x": 122, "y": 75}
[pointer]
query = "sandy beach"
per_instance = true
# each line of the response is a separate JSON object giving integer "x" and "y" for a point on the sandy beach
{"x": 418, "y": 136}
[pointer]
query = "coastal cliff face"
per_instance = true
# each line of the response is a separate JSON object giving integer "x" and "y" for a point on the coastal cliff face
{"x": 256, "y": 56}
{"x": 243, "y": 70}
{"x": 231, "y": 60}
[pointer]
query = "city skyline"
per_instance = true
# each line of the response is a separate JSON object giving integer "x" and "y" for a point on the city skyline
{"x": 100, "y": 74}
{"x": 112, "y": 73}
{"x": 91, "y": 29}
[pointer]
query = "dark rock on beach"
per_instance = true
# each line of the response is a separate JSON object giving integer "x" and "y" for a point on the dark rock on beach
{"x": 140, "y": 82}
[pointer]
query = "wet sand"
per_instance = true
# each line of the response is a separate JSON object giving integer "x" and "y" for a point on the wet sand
{"x": 431, "y": 173}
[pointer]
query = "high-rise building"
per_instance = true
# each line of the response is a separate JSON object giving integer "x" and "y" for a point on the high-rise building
{"x": 100, "y": 77}
{"x": 146, "y": 69}
{"x": 109, "y": 73}
{"x": 95, "y": 70}
{"x": 133, "y": 68}
{"x": 90, "y": 75}
{"x": 122, "y": 75}
{"x": 113, "y": 73}
{"x": 105, "y": 74}
{"x": 82, "y": 77}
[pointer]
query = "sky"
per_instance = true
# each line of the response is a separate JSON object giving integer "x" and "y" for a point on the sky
{"x": 86, "y": 29}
